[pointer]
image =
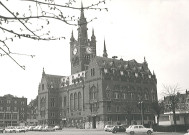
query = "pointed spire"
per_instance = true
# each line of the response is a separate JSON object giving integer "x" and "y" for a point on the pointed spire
{"x": 93, "y": 38}
{"x": 144, "y": 59}
{"x": 145, "y": 62}
{"x": 82, "y": 12}
{"x": 72, "y": 37}
{"x": 93, "y": 32}
{"x": 154, "y": 73}
{"x": 43, "y": 72}
{"x": 105, "y": 51}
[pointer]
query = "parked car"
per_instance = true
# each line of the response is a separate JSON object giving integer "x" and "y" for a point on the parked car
{"x": 139, "y": 129}
{"x": 40, "y": 128}
{"x": 1, "y": 129}
{"x": 57, "y": 128}
{"x": 48, "y": 128}
{"x": 118, "y": 128}
{"x": 187, "y": 132}
{"x": 30, "y": 128}
{"x": 20, "y": 129}
{"x": 37, "y": 128}
{"x": 10, "y": 130}
{"x": 108, "y": 128}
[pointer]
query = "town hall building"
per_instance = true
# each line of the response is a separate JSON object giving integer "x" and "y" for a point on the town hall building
{"x": 99, "y": 91}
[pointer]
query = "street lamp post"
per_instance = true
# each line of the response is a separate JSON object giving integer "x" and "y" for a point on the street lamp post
{"x": 142, "y": 119}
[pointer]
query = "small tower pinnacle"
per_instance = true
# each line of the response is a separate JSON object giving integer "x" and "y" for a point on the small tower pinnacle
{"x": 43, "y": 72}
{"x": 145, "y": 62}
{"x": 105, "y": 51}
{"x": 72, "y": 37}
{"x": 93, "y": 38}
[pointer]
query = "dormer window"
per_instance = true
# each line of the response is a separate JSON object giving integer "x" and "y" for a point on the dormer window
{"x": 8, "y": 101}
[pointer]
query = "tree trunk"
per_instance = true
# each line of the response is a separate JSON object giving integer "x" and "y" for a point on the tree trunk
{"x": 174, "y": 117}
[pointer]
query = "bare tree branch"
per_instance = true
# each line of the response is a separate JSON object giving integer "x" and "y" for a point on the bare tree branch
{"x": 45, "y": 13}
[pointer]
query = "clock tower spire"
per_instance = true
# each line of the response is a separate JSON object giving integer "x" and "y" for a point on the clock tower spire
{"x": 83, "y": 49}
{"x": 82, "y": 29}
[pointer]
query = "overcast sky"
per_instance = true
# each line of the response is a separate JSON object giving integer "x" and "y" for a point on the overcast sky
{"x": 133, "y": 29}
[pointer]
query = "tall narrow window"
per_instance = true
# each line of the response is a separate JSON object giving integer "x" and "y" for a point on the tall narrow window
{"x": 71, "y": 102}
{"x": 79, "y": 101}
{"x": 42, "y": 86}
{"x": 75, "y": 102}
{"x": 64, "y": 101}
{"x": 93, "y": 72}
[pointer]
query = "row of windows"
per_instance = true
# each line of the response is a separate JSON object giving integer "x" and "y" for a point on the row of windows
{"x": 131, "y": 96}
{"x": 129, "y": 88}
{"x": 8, "y": 116}
{"x": 133, "y": 117}
{"x": 11, "y": 101}
{"x": 10, "y": 109}
{"x": 120, "y": 108}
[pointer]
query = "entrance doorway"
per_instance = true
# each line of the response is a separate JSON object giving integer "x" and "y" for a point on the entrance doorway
{"x": 94, "y": 121}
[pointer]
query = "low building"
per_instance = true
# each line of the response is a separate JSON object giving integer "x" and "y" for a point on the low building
{"x": 13, "y": 111}
{"x": 32, "y": 113}
{"x": 181, "y": 110}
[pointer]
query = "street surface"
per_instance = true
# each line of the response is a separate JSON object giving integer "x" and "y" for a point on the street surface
{"x": 83, "y": 132}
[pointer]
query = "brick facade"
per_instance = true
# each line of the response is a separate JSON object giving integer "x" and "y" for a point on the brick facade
{"x": 13, "y": 111}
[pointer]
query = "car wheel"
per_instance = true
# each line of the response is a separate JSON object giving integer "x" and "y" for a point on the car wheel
{"x": 132, "y": 133}
{"x": 149, "y": 132}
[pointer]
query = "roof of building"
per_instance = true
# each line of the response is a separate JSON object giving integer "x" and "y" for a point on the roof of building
{"x": 132, "y": 65}
{"x": 53, "y": 80}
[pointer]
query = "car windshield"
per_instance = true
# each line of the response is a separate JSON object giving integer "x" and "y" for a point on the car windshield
{"x": 130, "y": 126}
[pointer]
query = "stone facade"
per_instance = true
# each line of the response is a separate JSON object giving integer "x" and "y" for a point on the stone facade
{"x": 99, "y": 91}
{"x": 13, "y": 111}
{"x": 32, "y": 113}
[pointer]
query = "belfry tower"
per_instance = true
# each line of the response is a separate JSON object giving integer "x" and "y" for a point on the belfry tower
{"x": 83, "y": 49}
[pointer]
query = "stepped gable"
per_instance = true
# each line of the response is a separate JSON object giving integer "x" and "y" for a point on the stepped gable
{"x": 131, "y": 65}
{"x": 53, "y": 80}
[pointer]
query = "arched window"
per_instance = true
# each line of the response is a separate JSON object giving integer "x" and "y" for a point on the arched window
{"x": 79, "y": 101}
{"x": 71, "y": 102}
{"x": 75, "y": 101}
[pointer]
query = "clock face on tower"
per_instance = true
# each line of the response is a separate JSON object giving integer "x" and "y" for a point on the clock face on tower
{"x": 75, "y": 51}
{"x": 89, "y": 50}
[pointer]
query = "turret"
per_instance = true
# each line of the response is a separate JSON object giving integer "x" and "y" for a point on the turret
{"x": 43, "y": 74}
{"x": 72, "y": 39}
{"x": 145, "y": 62}
{"x": 93, "y": 38}
{"x": 105, "y": 51}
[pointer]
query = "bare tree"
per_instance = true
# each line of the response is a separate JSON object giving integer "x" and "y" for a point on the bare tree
{"x": 158, "y": 107}
{"x": 170, "y": 93}
{"x": 21, "y": 23}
